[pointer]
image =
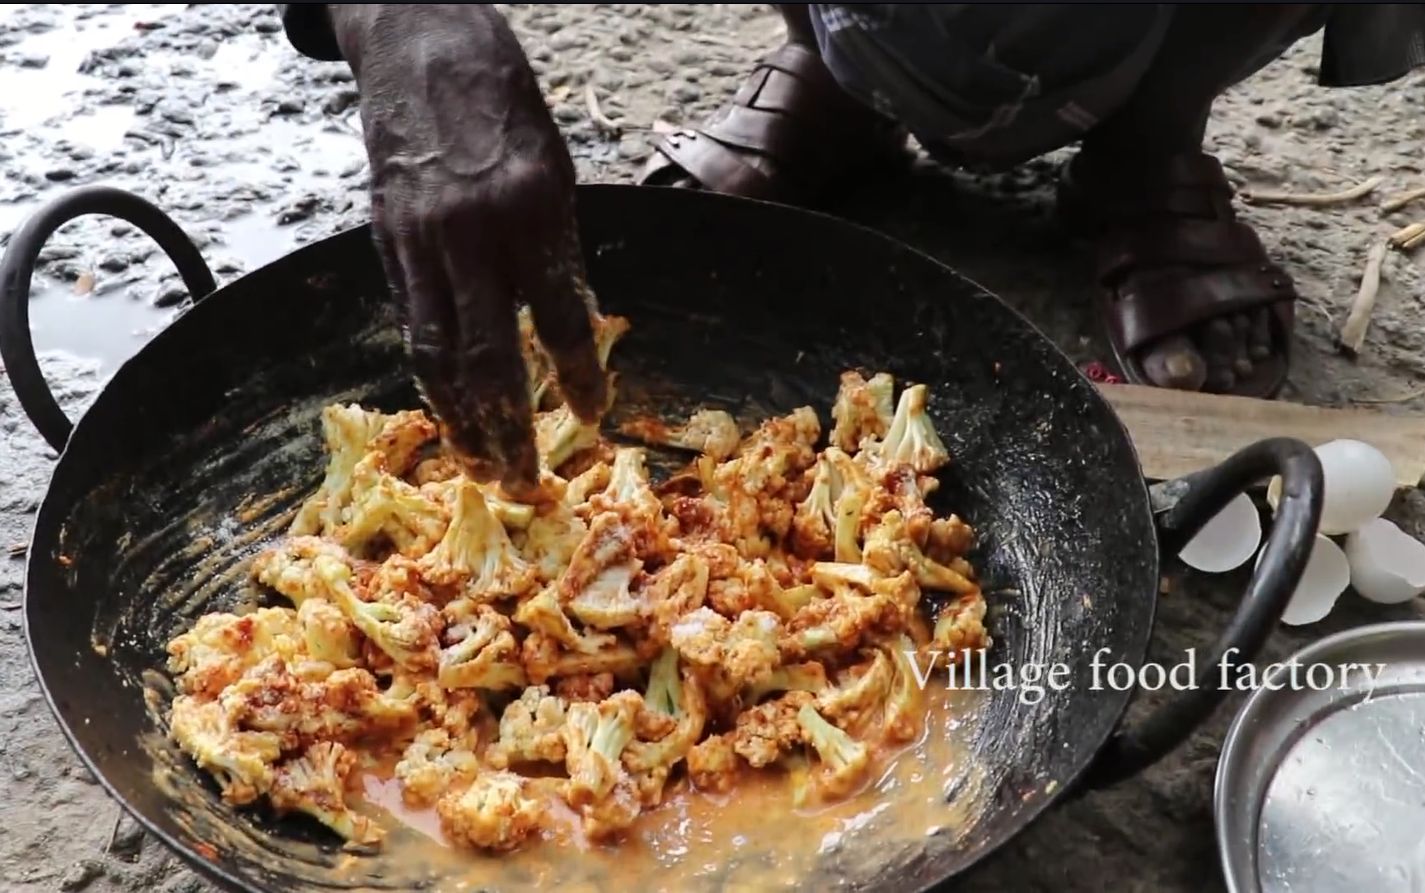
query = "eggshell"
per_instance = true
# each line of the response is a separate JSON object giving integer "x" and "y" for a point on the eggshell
{"x": 1387, "y": 564}
{"x": 1359, "y": 484}
{"x": 1227, "y": 541}
{"x": 1326, "y": 576}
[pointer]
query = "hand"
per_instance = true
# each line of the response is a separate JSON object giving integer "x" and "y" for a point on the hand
{"x": 473, "y": 209}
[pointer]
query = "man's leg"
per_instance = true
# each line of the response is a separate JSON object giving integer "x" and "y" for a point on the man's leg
{"x": 788, "y": 133}
{"x": 1206, "y": 49}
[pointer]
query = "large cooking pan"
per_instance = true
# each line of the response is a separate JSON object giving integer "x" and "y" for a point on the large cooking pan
{"x": 200, "y": 445}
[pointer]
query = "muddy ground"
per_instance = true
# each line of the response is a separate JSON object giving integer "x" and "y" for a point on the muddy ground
{"x": 209, "y": 113}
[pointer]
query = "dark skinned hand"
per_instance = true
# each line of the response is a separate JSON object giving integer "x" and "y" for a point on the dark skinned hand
{"x": 472, "y": 202}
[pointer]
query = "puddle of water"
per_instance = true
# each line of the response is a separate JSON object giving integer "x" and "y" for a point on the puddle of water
{"x": 31, "y": 96}
{"x": 108, "y": 328}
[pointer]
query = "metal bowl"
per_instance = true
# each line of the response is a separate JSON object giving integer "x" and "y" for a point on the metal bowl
{"x": 1321, "y": 788}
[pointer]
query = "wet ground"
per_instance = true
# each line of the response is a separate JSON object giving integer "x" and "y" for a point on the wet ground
{"x": 208, "y": 113}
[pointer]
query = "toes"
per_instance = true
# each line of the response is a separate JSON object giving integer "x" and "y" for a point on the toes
{"x": 1175, "y": 363}
{"x": 1241, "y": 334}
{"x": 1259, "y": 339}
{"x": 1218, "y": 338}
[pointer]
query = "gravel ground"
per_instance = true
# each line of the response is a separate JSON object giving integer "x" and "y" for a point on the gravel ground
{"x": 208, "y": 112}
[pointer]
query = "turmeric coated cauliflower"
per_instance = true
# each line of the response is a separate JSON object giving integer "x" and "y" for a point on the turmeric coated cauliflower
{"x": 315, "y": 784}
{"x": 475, "y": 553}
{"x": 555, "y": 667}
{"x": 496, "y": 812}
{"x": 862, "y": 409}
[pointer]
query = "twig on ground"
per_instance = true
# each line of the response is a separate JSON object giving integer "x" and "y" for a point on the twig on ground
{"x": 1400, "y": 200}
{"x": 1353, "y": 331}
{"x": 1402, "y": 237}
{"x": 1414, "y": 241}
{"x": 1403, "y": 398}
{"x": 1319, "y": 199}
{"x": 19, "y": 550}
{"x": 596, "y": 114}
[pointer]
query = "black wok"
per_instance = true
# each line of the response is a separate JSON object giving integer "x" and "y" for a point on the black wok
{"x": 200, "y": 445}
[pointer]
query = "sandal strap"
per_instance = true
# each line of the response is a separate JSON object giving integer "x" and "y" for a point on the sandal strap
{"x": 1150, "y": 307}
{"x": 709, "y": 161}
{"x": 1178, "y": 241}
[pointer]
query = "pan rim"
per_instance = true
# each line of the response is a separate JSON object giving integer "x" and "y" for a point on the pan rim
{"x": 50, "y": 517}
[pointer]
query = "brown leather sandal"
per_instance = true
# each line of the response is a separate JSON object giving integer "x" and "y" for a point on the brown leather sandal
{"x": 1171, "y": 255}
{"x": 790, "y": 111}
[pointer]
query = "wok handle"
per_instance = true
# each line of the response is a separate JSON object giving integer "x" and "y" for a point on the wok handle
{"x": 16, "y": 346}
{"x": 1192, "y": 502}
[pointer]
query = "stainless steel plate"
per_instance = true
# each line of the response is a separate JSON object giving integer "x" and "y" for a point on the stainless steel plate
{"x": 1321, "y": 788}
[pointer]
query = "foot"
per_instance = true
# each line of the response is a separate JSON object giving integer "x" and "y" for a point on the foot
{"x": 789, "y": 133}
{"x": 1192, "y": 300}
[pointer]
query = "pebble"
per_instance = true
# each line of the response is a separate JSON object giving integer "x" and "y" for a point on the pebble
{"x": 267, "y": 26}
{"x": 687, "y": 93}
{"x": 169, "y": 294}
{"x": 114, "y": 263}
{"x": 290, "y": 106}
{"x": 81, "y": 874}
{"x": 59, "y": 174}
{"x": 1267, "y": 119}
{"x": 300, "y": 209}
{"x": 37, "y": 60}
{"x": 128, "y": 841}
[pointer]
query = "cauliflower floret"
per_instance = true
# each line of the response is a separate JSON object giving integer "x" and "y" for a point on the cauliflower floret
{"x": 400, "y": 624}
{"x": 814, "y": 523}
{"x": 712, "y": 432}
{"x": 841, "y": 621}
{"x": 345, "y": 706}
{"x": 713, "y": 765}
{"x": 514, "y": 515}
{"x": 328, "y": 634}
{"x": 607, "y": 332}
{"x": 595, "y": 736}
{"x": 890, "y": 550}
{"x": 750, "y": 587}
{"x": 861, "y": 692}
{"x": 315, "y": 784}
{"x": 475, "y": 552}
{"x": 676, "y": 589}
{"x": 905, "y": 706}
{"x": 559, "y": 434}
{"x": 480, "y": 650}
{"x": 844, "y": 761}
{"x": 290, "y": 567}
{"x": 432, "y": 764}
{"x": 616, "y": 811}
{"x": 221, "y": 647}
{"x": 763, "y": 733}
{"x": 550, "y": 540}
{"x": 744, "y": 652}
{"x": 808, "y": 676}
{"x": 862, "y": 409}
{"x": 241, "y": 761}
{"x": 899, "y": 489}
{"x": 960, "y": 627}
{"x": 585, "y": 687}
{"x": 628, "y": 494}
{"x": 675, "y": 695}
{"x": 383, "y": 505}
{"x": 543, "y": 614}
{"x": 911, "y": 439}
{"x": 588, "y": 482}
{"x": 351, "y": 433}
{"x": 607, "y": 602}
{"x": 497, "y": 812}
{"x": 531, "y": 730}
{"x": 543, "y": 658}
{"x": 950, "y": 538}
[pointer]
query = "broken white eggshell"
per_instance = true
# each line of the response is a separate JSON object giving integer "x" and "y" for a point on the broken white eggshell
{"x": 1359, "y": 484}
{"x": 1325, "y": 577}
{"x": 1228, "y": 540}
{"x": 1387, "y": 564}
